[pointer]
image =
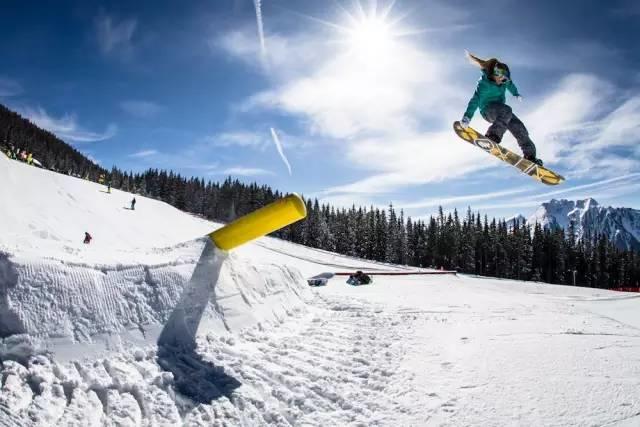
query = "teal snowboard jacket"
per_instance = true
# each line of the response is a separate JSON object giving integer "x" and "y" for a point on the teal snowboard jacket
{"x": 487, "y": 92}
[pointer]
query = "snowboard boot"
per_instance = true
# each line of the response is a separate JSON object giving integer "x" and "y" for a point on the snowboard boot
{"x": 534, "y": 159}
{"x": 493, "y": 137}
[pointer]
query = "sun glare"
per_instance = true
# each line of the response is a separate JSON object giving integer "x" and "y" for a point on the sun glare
{"x": 370, "y": 34}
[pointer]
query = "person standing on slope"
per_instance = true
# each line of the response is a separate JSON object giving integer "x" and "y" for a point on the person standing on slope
{"x": 489, "y": 97}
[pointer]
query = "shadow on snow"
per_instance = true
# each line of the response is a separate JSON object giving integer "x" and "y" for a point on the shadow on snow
{"x": 195, "y": 378}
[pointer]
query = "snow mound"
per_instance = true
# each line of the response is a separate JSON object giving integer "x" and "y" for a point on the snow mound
{"x": 66, "y": 303}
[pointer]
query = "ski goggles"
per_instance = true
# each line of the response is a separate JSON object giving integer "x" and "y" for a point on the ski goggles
{"x": 499, "y": 72}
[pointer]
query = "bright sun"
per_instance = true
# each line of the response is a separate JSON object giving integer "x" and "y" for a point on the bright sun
{"x": 370, "y": 34}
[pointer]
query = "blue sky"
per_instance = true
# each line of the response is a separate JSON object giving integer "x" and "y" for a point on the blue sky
{"x": 350, "y": 102}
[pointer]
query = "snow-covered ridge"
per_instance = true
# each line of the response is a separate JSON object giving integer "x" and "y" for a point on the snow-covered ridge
{"x": 620, "y": 225}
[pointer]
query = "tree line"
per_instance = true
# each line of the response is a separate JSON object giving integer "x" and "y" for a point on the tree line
{"x": 52, "y": 152}
{"x": 473, "y": 244}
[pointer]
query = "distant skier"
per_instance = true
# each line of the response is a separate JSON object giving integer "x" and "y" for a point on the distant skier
{"x": 87, "y": 238}
{"x": 490, "y": 98}
{"x": 133, "y": 204}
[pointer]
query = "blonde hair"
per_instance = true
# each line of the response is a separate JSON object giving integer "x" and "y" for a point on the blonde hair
{"x": 486, "y": 65}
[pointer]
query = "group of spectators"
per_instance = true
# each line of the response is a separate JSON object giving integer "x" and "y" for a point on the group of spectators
{"x": 16, "y": 154}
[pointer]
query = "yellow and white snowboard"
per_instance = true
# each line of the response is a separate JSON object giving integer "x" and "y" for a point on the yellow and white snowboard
{"x": 539, "y": 173}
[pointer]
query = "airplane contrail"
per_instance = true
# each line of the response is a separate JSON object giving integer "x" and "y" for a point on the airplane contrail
{"x": 258, "y": 6}
{"x": 276, "y": 141}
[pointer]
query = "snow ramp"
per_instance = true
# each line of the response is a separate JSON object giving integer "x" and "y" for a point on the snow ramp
{"x": 64, "y": 303}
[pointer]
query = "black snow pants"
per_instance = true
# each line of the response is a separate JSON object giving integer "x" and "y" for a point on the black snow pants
{"x": 502, "y": 119}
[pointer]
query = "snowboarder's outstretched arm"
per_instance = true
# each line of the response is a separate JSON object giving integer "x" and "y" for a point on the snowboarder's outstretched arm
{"x": 473, "y": 102}
{"x": 511, "y": 87}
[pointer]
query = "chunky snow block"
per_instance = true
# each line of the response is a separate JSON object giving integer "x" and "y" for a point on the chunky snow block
{"x": 263, "y": 221}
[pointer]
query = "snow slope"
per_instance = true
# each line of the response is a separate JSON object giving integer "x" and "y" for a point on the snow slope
{"x": 149, "y": 325}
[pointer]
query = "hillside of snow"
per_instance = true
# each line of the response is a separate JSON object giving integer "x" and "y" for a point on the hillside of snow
{"x": 620, "y": 225}
{"x": 151, "y": 325}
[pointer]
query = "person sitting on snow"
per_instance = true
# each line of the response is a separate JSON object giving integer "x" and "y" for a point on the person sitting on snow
{"x": 359, "y": 279}
{"x": 87, "y": 238}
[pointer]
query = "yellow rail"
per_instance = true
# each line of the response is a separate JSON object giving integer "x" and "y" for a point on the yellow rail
{"x": 258, "y": 223}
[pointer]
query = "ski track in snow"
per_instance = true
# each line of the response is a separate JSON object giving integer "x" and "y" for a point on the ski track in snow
{"x": 348, "y": 362}
{"x": 330, "y": 366}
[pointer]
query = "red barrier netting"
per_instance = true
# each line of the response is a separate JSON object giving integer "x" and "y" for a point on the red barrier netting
{"x": 397, "y": 273}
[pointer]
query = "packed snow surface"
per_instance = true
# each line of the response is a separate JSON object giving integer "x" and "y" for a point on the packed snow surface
{"x": 150, "y": 325}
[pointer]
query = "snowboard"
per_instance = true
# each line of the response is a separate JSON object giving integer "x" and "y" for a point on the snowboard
{"x": 539, "y": 173}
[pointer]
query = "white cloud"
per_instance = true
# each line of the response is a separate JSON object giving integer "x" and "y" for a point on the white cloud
{"x": 411, "y": 160}
{"x": 243, "y": 171}
{"x": 601, "y": 189}
{"x": 378, "y": 102}
{"x": 67, "y": 126}
{"x": 373, "y": 102}
{"x": 141, "y": 109}
{"x": 284, "y": 59}
{"x": 89, "y": 156}
{"x": 144, "y": 153}
{"x": 238, "y": 139}
{"x": 175, "y": 160}
{"x": 352, "y": 93}
{"x": 467, "y": 198}
{"x": 582, "y": 125}
{"x": 9, "y": 87}
{"x": 620, "y": 127}
{"x": 115, "y": 37}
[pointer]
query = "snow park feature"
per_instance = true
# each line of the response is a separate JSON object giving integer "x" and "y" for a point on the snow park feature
{"x": 261, "y": 222}
{"x": 81, "y": 329}
{"x": 182, "y": 327}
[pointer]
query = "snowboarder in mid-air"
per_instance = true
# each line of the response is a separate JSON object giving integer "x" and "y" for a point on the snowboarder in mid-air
{"x": 489, "y": 97}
